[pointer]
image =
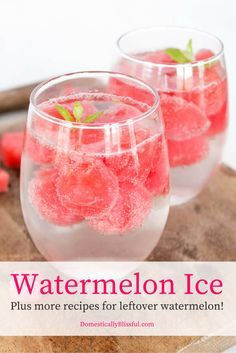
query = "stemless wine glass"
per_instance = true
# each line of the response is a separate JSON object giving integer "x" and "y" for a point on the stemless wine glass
{"x": 95, "y": 170}
{"x": 187, "y": 68}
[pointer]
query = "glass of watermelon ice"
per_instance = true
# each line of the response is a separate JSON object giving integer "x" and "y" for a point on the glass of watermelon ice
{"x": 95, "y": 170}
{"x": 187, "y": 68}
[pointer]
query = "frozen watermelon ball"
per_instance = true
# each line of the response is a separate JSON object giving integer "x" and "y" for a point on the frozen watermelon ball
{"x": 219, "y": 121}
{"x": 158, "y": 57}
{"x": 135, "y": 165}
{"x": 182, "y": 119}
{"x": 45, "y": 134}
{"x": 119, "y": 112}
{"x": 43, "y": 196}
{"x": 157, "y": 181}
{"x": 204, "y": 54}
{"x": 38, "y": 151}
{"x": 132, "y": 207}
{"x": 87, "y": 187}
{"x": 210, "y": 89}
{"x": 11, "y": 149}
{"x": 4, "y": 180}
{"x": 187, "y": 152}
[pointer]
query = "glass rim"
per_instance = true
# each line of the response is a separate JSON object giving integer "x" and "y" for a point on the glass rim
{"x": 214, "y": 57}
{"x": 60, "y": 78}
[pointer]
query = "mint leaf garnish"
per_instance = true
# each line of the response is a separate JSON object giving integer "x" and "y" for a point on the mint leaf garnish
{"x": 64, "y": 112}
{"x": 177, "y": 55}
{"x": 78, "y": 111}
{"x": 188, "y": 53}
{"x": 92, "y": 117}
{"x": 182, "y": 56}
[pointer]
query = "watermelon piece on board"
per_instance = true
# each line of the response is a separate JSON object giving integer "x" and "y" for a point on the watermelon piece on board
{"x": 11, "y": 149}
{"x": 4, "y": 180}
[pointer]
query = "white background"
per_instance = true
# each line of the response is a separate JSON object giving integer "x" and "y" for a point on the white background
{"x": 47, "y": 37}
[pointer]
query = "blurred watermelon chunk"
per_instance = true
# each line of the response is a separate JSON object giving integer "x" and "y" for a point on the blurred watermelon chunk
{"x": 11, "y": 149}
{"x": 4, "y": 180}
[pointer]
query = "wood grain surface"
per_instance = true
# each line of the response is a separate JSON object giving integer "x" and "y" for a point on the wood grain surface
{"x": 203, "y": 229}
{"x": 17, "y": 98}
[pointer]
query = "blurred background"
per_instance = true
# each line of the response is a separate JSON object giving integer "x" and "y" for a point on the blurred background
{"x": 39, "y": 39}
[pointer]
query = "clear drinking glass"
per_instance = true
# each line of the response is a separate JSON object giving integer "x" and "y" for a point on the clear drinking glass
{"x": 95, "y": 170}
{"x": 187, "y": 68}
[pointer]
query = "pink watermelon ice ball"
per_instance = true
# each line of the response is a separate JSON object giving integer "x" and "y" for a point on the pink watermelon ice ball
{"x": 135, "y": 165}
{"x": 38, "y": 151}
{"x": 43, "y": 196}
{"x": 132, "y": 207}
{"x": 122, "y": 88}
{"x": 45, "y": 131}
{"x": 87, "y": 187}
{"x": 203, "y": 54}
{"x": 158, "y": 57}
{"x": 210, "y": 89}
{"x": 119, "y": 112}
{"x": 157, "y": 181}
{"x": 219, "y": 121}
{"x": 188, "y": 152}
{"x": 4, "y": 180}
{"x": 183, "y": 120}
{"x": 11, "y": 149}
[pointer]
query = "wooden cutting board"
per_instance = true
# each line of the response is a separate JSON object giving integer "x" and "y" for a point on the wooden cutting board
{"x": 202, "y": 230}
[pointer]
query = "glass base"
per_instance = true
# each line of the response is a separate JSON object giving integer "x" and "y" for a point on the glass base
{"x": 188, "y": 181}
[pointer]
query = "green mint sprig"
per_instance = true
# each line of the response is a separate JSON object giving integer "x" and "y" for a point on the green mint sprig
{"x": 92, "y": 117}
{"x": 78, "y": 111}
{"x": 64, "y": 112}
{"x": 182, "y": 56}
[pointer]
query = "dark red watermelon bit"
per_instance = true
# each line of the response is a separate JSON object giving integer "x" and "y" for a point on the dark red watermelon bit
{"x": 4, "y": 180}
{"x": 11, "y": 149}
{"x": 43, "y": 196}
